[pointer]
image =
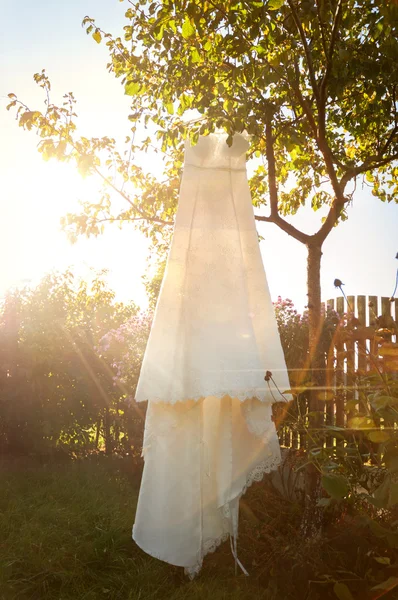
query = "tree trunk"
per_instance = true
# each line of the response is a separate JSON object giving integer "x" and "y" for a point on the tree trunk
{"x": 312, "y": 517}
{"x": 315, "y": 323}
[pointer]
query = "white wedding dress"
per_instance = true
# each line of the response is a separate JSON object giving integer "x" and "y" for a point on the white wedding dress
{"x": 208, "y": 429}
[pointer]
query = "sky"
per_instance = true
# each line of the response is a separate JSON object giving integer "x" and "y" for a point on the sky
{"x": 35, "y": 194}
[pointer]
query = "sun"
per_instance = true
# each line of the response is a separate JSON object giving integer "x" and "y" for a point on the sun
{"x": 34, "y": 243}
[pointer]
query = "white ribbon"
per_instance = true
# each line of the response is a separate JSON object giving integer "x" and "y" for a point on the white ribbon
{"x": 235, "y": 555}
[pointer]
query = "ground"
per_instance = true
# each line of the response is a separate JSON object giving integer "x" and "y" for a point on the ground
{"x": 65, "y": 532}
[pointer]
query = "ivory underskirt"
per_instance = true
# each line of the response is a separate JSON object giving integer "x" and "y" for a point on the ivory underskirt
{"x": 199, "y": 459}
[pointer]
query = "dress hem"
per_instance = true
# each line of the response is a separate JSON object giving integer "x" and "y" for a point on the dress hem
{"x": 242, "y": 397}
{"x": 255, "y": 476}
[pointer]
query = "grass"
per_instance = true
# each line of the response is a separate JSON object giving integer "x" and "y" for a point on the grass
{"x": 65, "y": 533}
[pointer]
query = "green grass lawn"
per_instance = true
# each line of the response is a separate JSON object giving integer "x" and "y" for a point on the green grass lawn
{"x": 65, "y": 533}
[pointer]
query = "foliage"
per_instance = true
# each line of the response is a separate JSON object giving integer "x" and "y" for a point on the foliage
{"x": 293, "y": 331}
{"x": 123, "y": 348}
{"x": 369, "y": 396}
{"x": 358, "y": 460}
{"x": 54, "y": 389}
{"x": 364, "y": 462}
{"x": 313, "y": 83}
{"x": 154, "y": 282}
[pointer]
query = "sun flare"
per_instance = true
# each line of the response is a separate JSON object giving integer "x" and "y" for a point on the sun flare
{"x": 32, "y": 238}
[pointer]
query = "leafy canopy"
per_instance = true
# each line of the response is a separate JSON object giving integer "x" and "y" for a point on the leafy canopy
{"x": 313, "y": 82}
{"x": 54, "y": 384}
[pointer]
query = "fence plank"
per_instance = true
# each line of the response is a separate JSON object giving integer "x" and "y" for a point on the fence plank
{"x": 350, "y": 347}
{"x": 351, "y": 305}
{"x": 361, "y": 306}
{"x": 373, "y": 309}
{"x": 351, "y": 339}
{"x": 340, "y": 305}
{"x": 385, "y": 306}
{"x": 373, "y": 314}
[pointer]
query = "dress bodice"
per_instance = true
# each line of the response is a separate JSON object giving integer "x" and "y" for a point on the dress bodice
{"x": 212, "y": 152}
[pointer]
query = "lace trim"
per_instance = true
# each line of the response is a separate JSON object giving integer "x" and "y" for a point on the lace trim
{"x": 255, "y": 475}
{"x": 252, "y": 394}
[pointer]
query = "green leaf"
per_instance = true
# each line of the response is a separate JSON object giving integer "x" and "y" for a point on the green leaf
{"x": 383, "y": 401}
{"x": 361, "y": 423}
{"x": 382, "y": 493}
{"x": 159, "y": 34}
{"x": 187, "y": 29}
{"x": 132, "y": 88}
{"x": 391, "y": 537}
{"x": 84, "y": 164}
{"x": 324, "y": 502}
{"x": 342, "y": 591}
{"x": 170, "y": 108}
{"x": 228, "y": 105}
{"x": 335, "y": 485}
{"x": 47, "y": 149}
{"x": 61, "y": 148}
{"x": 387, "y": 585}
{"x": 275, "y": 4}
{"x": 378, "y": 436}
{"x": 383, "y": 560}
{"x": 195, "y": 55}
{"x": 97, "y": 36}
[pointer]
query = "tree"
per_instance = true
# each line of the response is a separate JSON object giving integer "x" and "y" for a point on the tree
{"x": 54, "y": 386}
{"x": 313, "y": 82}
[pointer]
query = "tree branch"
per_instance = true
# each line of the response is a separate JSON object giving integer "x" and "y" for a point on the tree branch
{"x": 390, "y": 139}
{"x": 329, "y": 62}
{"x": 339, "y": 202}
{"x": 330, "y": 221}
{"x": 269, "y": 149}
{"x": 366, "y": 166}
{"x": 273, "y": 190}
{"x": 134, "y": 206}
{"x": 303, "y": 102}
{"x": 321, "y": 27}
{"x": 285, "y": 226}
{"x": 310, "y": 64}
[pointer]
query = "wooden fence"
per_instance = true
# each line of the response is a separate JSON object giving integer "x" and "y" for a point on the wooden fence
{"x": 362, "y": 326}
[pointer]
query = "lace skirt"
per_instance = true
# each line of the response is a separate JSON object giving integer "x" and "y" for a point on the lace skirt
{"x": 200, "y": 457}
